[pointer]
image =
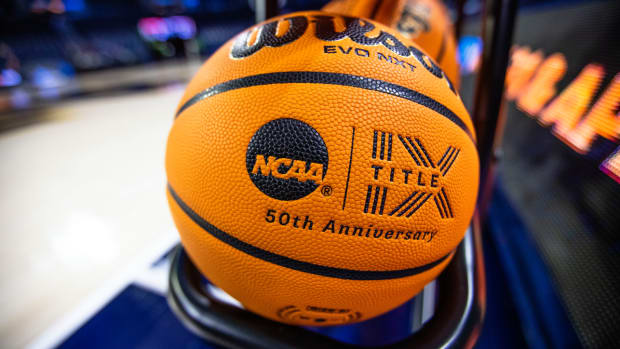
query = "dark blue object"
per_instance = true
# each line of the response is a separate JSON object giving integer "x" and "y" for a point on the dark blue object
{"x": 136, "y": 318}
{"x": 543, "y": 320}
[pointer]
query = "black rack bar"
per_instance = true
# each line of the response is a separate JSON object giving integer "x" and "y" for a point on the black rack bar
{"x": 455, "y": 324}
{"x": 498, "y": 22}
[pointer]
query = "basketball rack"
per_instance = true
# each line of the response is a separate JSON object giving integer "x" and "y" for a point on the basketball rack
{"x": 459, "y": 311}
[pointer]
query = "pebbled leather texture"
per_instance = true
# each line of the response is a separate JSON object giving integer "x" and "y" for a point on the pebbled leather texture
{"x": 321, "y": 186}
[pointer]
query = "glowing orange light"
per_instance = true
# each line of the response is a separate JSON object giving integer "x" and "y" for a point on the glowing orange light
{"x": 533, "y": 84}
{"x": 522, "y": 67}
{"x": 601, "y": 120}
{"x": 566, "y": 109}
{"x": 542, "y": 87}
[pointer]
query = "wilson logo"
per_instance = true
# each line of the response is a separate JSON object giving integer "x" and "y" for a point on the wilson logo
{"x": 360, "y": 31}
{"x": 287, "y": 159}
{"x": 285, "y": 168}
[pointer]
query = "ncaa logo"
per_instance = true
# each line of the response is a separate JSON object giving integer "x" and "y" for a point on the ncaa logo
{"x": 287, "y": 159}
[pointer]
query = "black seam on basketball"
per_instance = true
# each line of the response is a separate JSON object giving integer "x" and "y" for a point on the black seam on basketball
{"x": 308, "y": 77}
{"x": 294, "y": 264}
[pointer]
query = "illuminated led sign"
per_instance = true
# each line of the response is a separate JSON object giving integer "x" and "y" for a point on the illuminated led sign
{"x": 573, "y": 118}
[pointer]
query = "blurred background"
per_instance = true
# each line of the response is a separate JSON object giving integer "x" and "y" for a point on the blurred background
{"x": 54, "y": 50}
{"x": 88, "y": 90}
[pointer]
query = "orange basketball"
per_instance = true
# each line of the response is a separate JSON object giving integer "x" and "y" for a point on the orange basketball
{"x": 425, "y": 22}
{"x": 321, "y": 170}
{"x": 428, "y": 24}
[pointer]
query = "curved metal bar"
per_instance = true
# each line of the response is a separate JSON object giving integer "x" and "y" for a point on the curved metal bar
{"x": 225, "y": 324}
{"x": 265, "y": 9}
{"x": 456, "y": 322}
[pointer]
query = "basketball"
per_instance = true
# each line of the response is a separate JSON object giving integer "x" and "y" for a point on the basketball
{"x": 321, "y": 169}
{"x": 425, "y": 22}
